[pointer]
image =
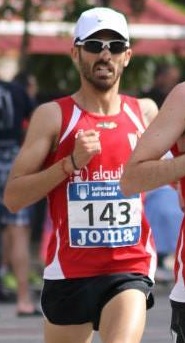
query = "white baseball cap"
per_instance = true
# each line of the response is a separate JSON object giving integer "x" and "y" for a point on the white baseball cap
{"x": 100, "y": 18}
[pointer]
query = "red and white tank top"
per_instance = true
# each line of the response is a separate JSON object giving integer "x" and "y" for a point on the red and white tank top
{"x": 96, "y": 229}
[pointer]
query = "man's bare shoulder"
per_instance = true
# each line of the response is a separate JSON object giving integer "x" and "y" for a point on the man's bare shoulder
{"x": 174, "y": 104}
{"x": 47, "y": 115}
{"x": 149, "y": 110}
{"x": 48, "y": 109}
{"x": 178, "y": 90}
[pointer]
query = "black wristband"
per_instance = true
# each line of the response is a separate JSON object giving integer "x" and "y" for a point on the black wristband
{"x": 73, "y": 162}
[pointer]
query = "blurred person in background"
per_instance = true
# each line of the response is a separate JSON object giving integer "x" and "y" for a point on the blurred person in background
{"x": 29, "y": 82}
{"x": 15, "y": 107}
{"x": 166, "y": 76}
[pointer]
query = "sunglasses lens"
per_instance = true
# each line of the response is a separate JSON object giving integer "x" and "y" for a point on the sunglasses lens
{"x": 117, "y": 47}
{"x": 93, "y": 46}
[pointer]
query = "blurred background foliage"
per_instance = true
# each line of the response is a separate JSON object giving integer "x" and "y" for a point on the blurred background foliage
{"x": 56, "y": 74}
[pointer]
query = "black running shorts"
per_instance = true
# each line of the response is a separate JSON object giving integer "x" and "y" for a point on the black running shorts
{"x": 178, "y": 322}
{"x": 78, "y": 301}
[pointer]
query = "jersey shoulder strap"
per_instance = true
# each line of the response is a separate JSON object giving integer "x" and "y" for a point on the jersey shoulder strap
{"x": 70, "y": 115}
{"x": 132, "y": 109}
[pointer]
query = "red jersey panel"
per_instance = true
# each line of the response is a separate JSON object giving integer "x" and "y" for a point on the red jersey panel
{"x": 96, "y": 229}
{"x": 178, "y": 291}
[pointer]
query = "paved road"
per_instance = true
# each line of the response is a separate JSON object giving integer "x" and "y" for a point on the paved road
{"x": 18, "y": 330}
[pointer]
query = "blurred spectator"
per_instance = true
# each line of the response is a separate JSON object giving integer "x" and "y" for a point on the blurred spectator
{"x": 29, "y": 82}
{"x": 15, "y": 107}
{"x": 162, "y": 204}
{"x": 166, "y": 76}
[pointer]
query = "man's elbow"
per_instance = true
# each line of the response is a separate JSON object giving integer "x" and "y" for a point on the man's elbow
{"x": 10, "y": 202}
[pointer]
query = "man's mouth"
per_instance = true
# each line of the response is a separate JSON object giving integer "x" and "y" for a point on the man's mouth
{"x": 103, "y": 71}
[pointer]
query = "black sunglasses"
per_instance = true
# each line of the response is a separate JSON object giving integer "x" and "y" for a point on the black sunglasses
{"x": 95, "y": 46}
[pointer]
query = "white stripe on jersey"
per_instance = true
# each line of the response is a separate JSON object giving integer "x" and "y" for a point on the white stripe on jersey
{"x": 74, "y": 119}
{"x": 133, "y": 117}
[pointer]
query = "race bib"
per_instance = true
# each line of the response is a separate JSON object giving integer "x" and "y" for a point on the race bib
{"x": 100, "y": 216}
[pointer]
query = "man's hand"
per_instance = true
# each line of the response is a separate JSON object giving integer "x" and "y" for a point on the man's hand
{"x": 87, "y": 145}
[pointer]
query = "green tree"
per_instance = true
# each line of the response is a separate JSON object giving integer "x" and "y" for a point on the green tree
{"x": 179, "y": 4}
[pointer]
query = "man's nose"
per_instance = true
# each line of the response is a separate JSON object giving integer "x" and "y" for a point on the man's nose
{"x": 105, "y": 53}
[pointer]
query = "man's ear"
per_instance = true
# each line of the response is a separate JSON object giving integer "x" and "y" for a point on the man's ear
{"x": 74, "y": 54}
{"x": 128, "y": 55}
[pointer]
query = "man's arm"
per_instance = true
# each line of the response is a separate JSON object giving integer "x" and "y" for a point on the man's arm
{"x": 145, "y": 170}
{"x": 28, "y": 182}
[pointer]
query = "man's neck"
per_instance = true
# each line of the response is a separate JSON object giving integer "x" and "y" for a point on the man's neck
{"x": 102, "y": 103}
